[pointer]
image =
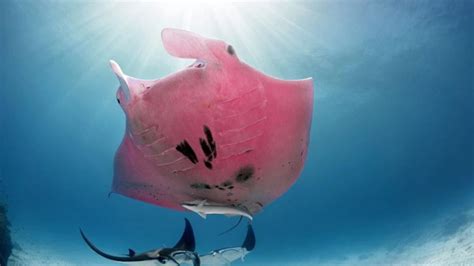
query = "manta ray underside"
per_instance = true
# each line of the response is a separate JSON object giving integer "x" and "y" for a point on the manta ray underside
{"x": 218, "y": 130}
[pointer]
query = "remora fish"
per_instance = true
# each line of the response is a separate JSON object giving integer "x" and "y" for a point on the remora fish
{"x": 203, "y": 208}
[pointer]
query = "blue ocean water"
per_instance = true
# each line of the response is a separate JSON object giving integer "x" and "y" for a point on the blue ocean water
{"x": 389, "y": 174}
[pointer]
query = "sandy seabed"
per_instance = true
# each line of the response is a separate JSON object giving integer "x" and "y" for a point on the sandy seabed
{"x": 441, "y": 244}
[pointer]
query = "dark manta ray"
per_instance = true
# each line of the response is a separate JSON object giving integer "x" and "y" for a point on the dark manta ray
{"x": 182, "y": 252}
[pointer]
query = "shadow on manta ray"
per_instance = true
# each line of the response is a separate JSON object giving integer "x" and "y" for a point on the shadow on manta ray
{"x": 184, "y": 251}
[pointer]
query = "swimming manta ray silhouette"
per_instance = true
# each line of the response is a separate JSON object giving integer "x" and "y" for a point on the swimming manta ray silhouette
{"x": 218, "y": 132}
{"x": 181, "y": 252}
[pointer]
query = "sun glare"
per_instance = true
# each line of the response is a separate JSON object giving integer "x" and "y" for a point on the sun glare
{"x": 253, "y": 28}
{"x": 129, "y": 32}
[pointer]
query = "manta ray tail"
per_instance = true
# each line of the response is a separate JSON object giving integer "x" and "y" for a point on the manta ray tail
{"x": 232, "y": 228}
{"x": 187, "y": 241}
{"x": 249, "y": 242}
{"x": 105, "y": 255}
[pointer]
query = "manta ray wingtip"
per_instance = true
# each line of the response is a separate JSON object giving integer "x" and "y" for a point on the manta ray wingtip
{"x": 249, "y": 242}
{"x": 116, "y": 68}
{"x": 124, "y": 86}
{"x": 166, "y": 30}
{"x": 306, "y": 82}
{"x": 167, "y": 33}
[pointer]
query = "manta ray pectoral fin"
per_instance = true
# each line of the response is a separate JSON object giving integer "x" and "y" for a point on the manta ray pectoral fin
{"x": 249, "y": 242}
{"x": 187, "y": 241}
{"x": 185, "y": 44}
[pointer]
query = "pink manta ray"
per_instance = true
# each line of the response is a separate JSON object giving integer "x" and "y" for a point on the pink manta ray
{"x": 218, "y": 131}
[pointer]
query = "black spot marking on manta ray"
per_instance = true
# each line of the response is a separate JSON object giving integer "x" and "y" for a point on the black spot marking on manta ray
{"x": 208, "y": 164}
{"x": 244, "y": 174}
{"x": 230, "y": 50}
{"x": 118, "y": 100}
{"x": 187, "y": 151}
{"x": 208, "y": 146}
{"x": 200, "y": 186}
{"x": 227, "y": 183}
{"x": 211, "y": 141}
{"x": 219, "y": 187}
{"x": 205, "y": 148}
